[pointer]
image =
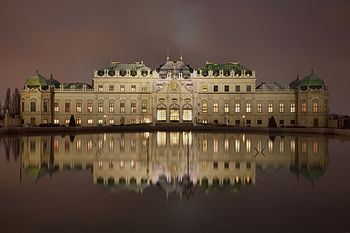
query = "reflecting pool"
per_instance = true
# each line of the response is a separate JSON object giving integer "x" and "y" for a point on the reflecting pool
{"x": 174, "y": 182}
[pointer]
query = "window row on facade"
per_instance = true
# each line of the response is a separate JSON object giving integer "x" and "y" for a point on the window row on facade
{"x": 226, "y": 88}
{"x": 122, "y": 88}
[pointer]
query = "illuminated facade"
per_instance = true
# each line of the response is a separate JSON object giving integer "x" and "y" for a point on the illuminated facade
{"x": 224, "y": 94}
{"x": 134, "y": 161}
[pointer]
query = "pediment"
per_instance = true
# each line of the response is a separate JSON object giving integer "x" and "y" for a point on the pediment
{"x": 174, "y": 86}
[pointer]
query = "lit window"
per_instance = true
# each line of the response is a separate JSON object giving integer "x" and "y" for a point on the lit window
{"x": 259, "y": 107}
{"x": 187, "y": 113}
{"x": 111, "y": 87}
{"x": 144, "y": 106}
{"x": 204, "y": 107}
{"x": 133, "y": 88}
{"x": 56, "y": 121}
{"x": 78, "y": 121}
{"x": 227, "y": 109}
{"x": 100, "y": 122}
{"x": 174, "y": 112}
{"x": 216, "y": 107}
{"x": 237, "y": 107}
{"x": 315, "y": 106}
{"x": 100, "y": 106}
{"x": 78, "y": 106}
{"x": 248, "y": 107}
{"x": 270, "y": 107}
{"x": 89, "y": 106}
{"x": 161, "y": 112}
{"x": 303, "y": 106}
{"x": 55, "y": 107}
{"x": 111, "y": 121}
{"x": 204, "y": 88}
{"x": 100, "y": 87}
{"x": 67, "y": 107}
{"x": 122, "y": 107}
{"x": 292, "y": 106}
{"x": 90, "y": 121}
{"x": 281, "y": 107}
{"x": 111, "y": 107}
{"x": 205, "y": 121}
{"x": 67, "y": 121}
{"x": 204, "y": 165}
{"x": 133, "y": 107}
{"x": 122, "y": 88}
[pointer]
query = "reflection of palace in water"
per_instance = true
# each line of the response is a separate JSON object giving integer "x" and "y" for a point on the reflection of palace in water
{"x": 134, "y": 161}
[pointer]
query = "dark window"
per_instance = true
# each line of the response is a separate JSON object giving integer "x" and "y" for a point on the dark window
{"x": 259, "y": 122}
{"x": 249, "y": 88}
{"x": 67, "y": 107}
{"x": 227, "y": 165}
{"x": 216, "y": 88}
{"x": 237, "y": 122}
{"x": 45, "y": 107}
{"x": 249, "y": 122}
{"x": 249, "y": 165}
{"x": 215, "y": 165}
{"x": 238, "y": 88}
{"x": 238, "y": 165}
{"x": 292, "y": 122}
{"x": 33, "y": 107}
{"x": 216, "y": 122}
{"x": 281, "y": 122}
{"x": 227, "y": 88}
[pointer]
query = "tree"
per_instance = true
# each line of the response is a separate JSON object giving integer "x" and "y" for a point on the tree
{"x": 7, "y": 100}
{"x": 16, "y": 99}
{"x": 71, "y": 121}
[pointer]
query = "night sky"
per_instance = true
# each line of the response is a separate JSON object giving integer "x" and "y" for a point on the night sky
{"x": 278, "y": 39}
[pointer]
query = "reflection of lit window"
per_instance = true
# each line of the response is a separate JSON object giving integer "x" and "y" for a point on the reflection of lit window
{"x": 237, "y": 146}
{"x": 259, "y": 146}
{"x": 132, "y": 164}
{"x": 55, "y": 144}
{"x": 292, "y": 145}
{"x": 248, "y": 145}
{"x": 122, "y": 164}
{"x": 133, "y": 144}
{"x": 111, "y": 144}
{"x": 100, "y": 144}
{"x": 281, "y": 146}
{"x": 303, "y": 147}
{"x": 89, "y": 145}
{"x": 111, "y": 165}
{"x": 122, "y": 144}
{"x": 204, "y": 165}
{"x": 187, "y": 138}
{"x": 174, "y": 138}
{"x": 315, "y": 147}
{"x": 100, "y": 164}
{"x": 78, "y": 144}
{"x": 205, "y": 145}
{"x": 270, "y": 145}
{"x": 227, "y": 145}
{"x": 67, "y": 145}
{"x": 161, "y": 138}
{"x": 216, "y": 145}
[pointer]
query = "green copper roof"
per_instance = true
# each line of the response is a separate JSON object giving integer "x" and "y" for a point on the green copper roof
{"x": 36, "y": 80}
{"x": 295, "y": 84}
{"x": 312, "y": 80}
{"x": 228, "y": 67}
{"x": 128, "y": 66}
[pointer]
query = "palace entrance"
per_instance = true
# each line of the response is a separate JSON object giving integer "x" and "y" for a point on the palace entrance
{"x": 174, "y": 113}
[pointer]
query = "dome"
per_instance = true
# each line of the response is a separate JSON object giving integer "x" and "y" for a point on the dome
{"x": 36, "y": 80}
{"x": 312, "y": 81}
{"x": 53, "y": 82}
{"x": 295, "y": 84}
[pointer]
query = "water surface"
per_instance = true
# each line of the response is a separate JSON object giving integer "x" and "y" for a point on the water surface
{"x": 174, "y": 182}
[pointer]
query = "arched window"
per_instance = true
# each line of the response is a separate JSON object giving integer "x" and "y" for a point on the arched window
{"x": 315, "y": 106}
{"x": 161, "y": 112}
{"x": 187, "y": 113}
{"x": 174, "y": 112}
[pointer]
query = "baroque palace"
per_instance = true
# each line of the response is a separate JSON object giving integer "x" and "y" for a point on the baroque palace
{"x": 224, "y": 94}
